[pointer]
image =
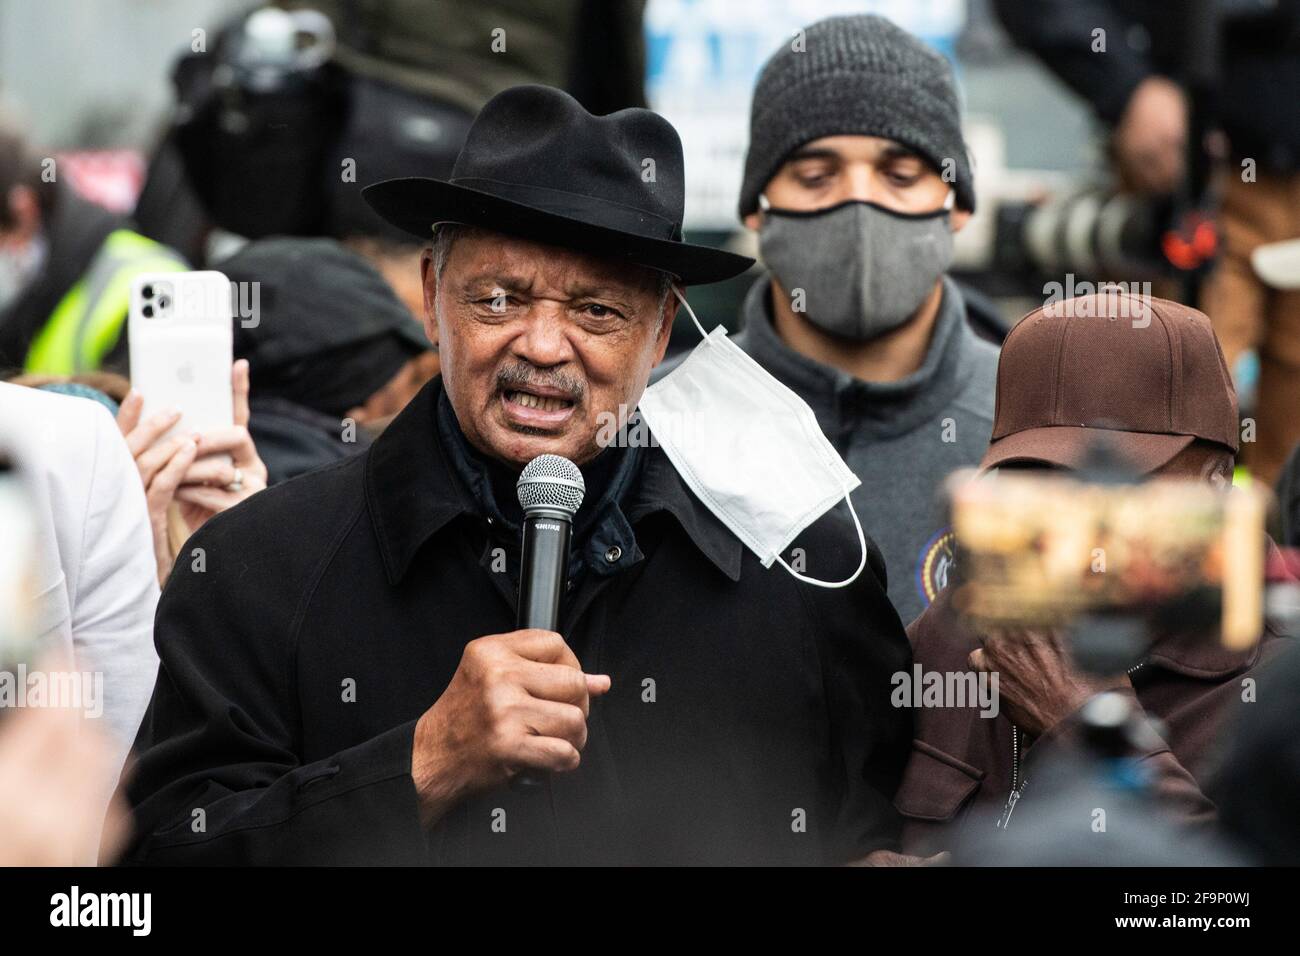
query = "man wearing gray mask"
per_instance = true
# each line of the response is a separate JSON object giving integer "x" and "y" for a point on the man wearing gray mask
{"x": 855, "y": 181}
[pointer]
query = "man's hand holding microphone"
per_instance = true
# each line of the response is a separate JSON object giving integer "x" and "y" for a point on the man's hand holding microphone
{"x": 517, "y": 705}
{"x": 517, "y": 700}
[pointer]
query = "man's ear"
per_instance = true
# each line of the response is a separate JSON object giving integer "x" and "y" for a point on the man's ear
{"x": 958, "y": 218}
{"x": 429, "y": 280}
{"x": 666, "y": 326}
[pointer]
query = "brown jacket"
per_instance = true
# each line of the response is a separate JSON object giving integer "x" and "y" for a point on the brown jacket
{"x": 963, "y": 763}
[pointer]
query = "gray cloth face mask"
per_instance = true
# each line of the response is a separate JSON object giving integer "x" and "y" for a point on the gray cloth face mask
{"x": 863, "y": 270}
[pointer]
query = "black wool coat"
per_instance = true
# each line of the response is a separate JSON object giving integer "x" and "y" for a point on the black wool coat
{"x": 304, "y": 632}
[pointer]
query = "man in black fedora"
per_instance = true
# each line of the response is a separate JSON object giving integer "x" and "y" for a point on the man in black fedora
{"x": 341, "y": 679}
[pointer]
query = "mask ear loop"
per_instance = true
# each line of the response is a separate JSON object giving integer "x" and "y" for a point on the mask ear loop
{"x": 862, "y": 543}
{"x": 691, "y": 312}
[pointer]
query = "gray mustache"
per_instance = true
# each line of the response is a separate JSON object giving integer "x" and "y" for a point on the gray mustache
{"x": 522, "y": 377}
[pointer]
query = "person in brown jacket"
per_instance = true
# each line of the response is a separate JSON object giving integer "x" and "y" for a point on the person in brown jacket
{"x": 1147, "y": 375}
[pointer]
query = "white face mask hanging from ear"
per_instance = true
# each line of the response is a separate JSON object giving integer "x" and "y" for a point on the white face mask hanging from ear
{"x": 749, "y": 448}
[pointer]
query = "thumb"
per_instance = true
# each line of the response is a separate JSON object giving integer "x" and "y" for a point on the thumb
{"x": 597, "y": 684}
{"x": 128, "y": 413}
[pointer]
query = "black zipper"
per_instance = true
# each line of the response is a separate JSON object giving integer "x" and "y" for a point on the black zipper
{"x": 1017, "y": 784}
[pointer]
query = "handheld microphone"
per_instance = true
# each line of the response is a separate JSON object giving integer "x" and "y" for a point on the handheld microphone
{"x": 550, "y": 490}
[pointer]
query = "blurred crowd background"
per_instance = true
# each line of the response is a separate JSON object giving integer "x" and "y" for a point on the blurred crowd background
{"x": 106, "y": 90}
{"x": 163, "y": 111}
{"x": 157, "y": 135}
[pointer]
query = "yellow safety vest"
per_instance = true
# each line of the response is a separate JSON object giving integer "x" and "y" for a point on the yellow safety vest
{"x": 87, "y": 322}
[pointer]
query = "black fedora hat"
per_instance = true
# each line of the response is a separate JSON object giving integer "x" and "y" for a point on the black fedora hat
{"x": 539, "y": 166}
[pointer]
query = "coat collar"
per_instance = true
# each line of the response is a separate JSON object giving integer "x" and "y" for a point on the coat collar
{"x": 661, "y": 489}
{"x": 412, "y": 493}
{"x": 1201, "y": 654}
{"x": 603, "y": 540}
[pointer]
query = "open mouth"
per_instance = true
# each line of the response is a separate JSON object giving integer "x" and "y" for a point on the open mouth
{"x": 546, "y": 403}
{"x": 540, "y": 408}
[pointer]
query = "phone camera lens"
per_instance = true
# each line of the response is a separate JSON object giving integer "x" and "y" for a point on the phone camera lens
{"x": 147, "y": 292}
{"x": 147, "y": 311}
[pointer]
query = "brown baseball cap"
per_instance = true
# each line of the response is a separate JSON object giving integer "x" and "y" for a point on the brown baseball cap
{"x": 1147, "y": 372}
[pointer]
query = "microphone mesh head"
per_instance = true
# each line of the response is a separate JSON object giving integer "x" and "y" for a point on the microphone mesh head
{"x": 551, "y": 481}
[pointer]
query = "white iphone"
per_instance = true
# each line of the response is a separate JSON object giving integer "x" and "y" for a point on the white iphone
{"x": 182, "y": 342}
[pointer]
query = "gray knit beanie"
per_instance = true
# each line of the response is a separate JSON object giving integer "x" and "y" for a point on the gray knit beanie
{"x": 855, "y": 75}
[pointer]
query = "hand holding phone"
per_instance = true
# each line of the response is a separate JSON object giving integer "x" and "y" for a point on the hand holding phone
{"x": 186, "y": 419}
{"x": 184, "y": 469}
